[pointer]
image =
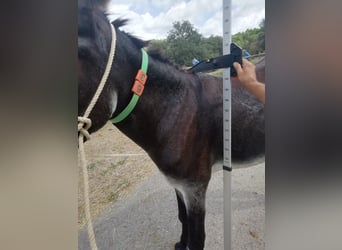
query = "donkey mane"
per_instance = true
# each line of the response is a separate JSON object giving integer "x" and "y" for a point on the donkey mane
{"x": 93, "y": 4}
{"x": 156, "y": 54}
{"x": 139, "y": 43}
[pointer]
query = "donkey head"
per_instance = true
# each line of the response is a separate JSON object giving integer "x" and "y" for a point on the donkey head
{"x": 94, "y": 40}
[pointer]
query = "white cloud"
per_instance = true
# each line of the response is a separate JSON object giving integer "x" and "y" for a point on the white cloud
{"x": 117, "y": 9}
{"x": 164, "y": 4}
{"x": 154, "y": 18}
{"x": 213, "y": 25}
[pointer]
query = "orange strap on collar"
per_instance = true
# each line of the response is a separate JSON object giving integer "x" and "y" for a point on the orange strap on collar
{"x": 137, "y": 89}
{"x": 139, "y": 84}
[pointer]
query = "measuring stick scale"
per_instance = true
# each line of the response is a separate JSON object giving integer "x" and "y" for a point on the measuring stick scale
{"x": 227, "y": 229}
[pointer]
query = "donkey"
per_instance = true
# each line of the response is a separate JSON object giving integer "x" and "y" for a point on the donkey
{"x": 178, "y": 119}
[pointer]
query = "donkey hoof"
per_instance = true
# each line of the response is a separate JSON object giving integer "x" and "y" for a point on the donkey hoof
{"x": 180, "y": 246}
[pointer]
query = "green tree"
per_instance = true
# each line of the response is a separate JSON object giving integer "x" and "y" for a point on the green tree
{"x": 253, "y": 40}
{"x": 212, "y": 46}
{"x": 183, "y": 43}
{"x": 261, "y": 36}
{"x": 160, "y": 45}
{"x": 184, "y": 30}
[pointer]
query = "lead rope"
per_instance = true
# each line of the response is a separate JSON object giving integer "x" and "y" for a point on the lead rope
{"x": 84, "y": 123}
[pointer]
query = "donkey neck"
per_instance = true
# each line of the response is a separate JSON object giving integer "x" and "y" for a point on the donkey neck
{"x": 165, "y": 89}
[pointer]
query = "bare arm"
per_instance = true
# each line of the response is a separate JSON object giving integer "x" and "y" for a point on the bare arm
{"x": 247, "y": 77}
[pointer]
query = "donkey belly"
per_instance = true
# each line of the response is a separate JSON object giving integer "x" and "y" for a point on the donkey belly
{"x": 184, "y": 187}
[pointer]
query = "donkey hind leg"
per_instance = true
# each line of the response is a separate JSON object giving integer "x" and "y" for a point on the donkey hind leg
{"x": 183, "y": 218}
{"x": 191, "y": 208}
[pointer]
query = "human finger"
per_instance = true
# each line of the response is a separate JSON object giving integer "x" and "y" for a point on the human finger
{"x": 245, "y": 62}
{"x": 237, "y": 67}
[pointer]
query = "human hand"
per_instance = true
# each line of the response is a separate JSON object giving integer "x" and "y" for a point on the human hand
{"x": 246, "y": 75}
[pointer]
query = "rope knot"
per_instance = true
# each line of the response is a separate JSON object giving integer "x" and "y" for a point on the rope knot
{"x": 83, "y": 125}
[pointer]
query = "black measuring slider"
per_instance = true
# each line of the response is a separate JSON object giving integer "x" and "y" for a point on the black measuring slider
{"x": 225, "y": 61}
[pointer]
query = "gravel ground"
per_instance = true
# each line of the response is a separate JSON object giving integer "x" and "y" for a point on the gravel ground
{"x": 146, "y": 218}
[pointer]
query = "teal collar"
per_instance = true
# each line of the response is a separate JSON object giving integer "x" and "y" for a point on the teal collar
{"x": 137, "y": 89}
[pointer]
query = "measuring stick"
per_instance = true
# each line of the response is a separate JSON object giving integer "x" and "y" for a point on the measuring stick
{"x": 227, "y": 229}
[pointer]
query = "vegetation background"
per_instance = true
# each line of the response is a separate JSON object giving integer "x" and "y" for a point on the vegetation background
{"x": 184, "y": 43}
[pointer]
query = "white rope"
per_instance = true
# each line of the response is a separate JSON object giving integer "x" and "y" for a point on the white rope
{"x": 84, "y": 123}
{"x": 105, "y": 74}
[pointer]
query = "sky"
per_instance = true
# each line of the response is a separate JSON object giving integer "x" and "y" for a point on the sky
{"x": 152, "y": 19}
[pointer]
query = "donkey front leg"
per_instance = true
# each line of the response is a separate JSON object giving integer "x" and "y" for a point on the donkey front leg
{"x": 196, "y": 215}
{"x": 183, "y": 218}
{"x": 192, "y": 198}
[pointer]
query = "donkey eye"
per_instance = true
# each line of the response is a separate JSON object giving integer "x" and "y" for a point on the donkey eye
{"x": 84, "y": 47}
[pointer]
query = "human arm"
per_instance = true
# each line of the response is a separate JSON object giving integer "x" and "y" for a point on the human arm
{"x": 247, "y": 77}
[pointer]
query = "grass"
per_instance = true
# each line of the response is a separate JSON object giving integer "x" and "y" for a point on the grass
{"x": 111, "y": 179}
{"x": 91, "y": 166}
{"x": 112, "y": 196}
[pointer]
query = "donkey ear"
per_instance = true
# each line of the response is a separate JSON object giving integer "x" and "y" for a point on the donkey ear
{"x": 94, "y": 4}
